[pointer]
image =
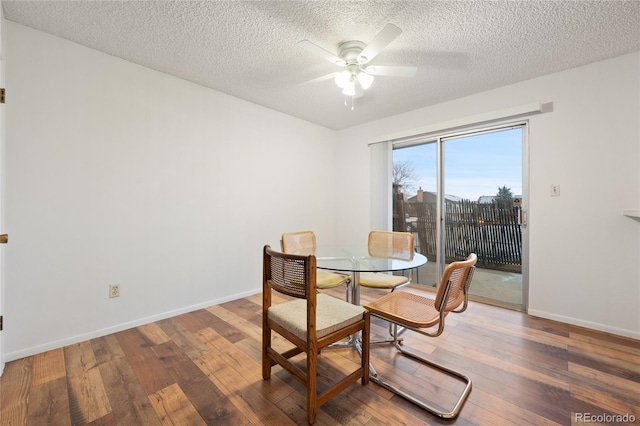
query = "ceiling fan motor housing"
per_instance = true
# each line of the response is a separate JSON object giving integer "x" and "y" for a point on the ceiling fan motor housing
{"x": 350, "y": 52}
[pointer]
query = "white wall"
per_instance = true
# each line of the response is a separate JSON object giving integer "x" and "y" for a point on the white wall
{"x": 120, "y": 174}
{"x": 584, "y": 255}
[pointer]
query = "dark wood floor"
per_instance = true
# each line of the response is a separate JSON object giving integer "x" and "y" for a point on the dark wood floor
{"x": 204, "y": 368}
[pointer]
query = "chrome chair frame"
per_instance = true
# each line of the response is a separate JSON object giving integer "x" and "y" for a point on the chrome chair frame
{"x": 306, "y": 244}
{"x": 443, "y": 296}
{"x": 391, "y": 251}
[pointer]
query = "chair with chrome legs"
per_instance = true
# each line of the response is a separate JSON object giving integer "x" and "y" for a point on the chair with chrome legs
{"x": 390, "y": 245}
{"x": 420, "y": 313}
{"x": 304, "y": 242}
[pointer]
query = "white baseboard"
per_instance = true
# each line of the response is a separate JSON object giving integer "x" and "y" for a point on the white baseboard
{"x": 634, "y": 334}
{"x": 11, "y": 356}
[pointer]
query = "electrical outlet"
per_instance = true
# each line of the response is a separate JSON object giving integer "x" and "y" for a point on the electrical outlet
{"x": 114, "y": 290}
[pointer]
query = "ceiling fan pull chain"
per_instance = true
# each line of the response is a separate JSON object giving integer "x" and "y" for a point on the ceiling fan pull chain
{"x": 352, "y": 103}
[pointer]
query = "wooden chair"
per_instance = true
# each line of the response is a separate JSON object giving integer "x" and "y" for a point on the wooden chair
{"x": 311, "y": 321}
{"x": 304, "y": 242}
{"x": 418, "y": 313}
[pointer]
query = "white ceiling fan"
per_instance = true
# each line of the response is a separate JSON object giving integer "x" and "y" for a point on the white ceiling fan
{"x": 354, "y": 57}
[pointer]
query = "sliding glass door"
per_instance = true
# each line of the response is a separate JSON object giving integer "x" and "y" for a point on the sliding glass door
{"x": 415, "y": 187}
{"x": 463, "y": 193}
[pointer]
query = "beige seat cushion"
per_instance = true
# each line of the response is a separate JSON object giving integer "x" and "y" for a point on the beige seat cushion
{"x": 331, "y": 314}
{"x": 326, "y": 279}
{"x": 380, "y": 280}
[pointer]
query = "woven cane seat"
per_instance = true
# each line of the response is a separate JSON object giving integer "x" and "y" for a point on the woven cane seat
{"x": 406, "y": 309}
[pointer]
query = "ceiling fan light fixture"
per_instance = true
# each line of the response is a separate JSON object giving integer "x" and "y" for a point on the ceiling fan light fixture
{"x": 365, "y": 80}
{"x": 349, "y": 89}
{"x": 343, "y": 78}
{"x": 352, "y": 56}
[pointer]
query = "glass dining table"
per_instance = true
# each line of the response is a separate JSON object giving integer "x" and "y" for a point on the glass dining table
{"x": 354, "y": 259}
{"x": 357, "y": 259}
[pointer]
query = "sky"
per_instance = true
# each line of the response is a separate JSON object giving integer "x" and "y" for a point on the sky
{"x": 474, "y": 165}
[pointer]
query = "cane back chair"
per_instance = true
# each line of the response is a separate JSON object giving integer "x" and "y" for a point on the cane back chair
{"x": 420, "y": 313}
{"x": 304, "y": 242}
{"x": 310, "y": 321}
{"x": 392, "y": 245}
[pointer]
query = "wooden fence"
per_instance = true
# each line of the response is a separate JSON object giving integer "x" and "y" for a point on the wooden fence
{"x": 493, "y": 233}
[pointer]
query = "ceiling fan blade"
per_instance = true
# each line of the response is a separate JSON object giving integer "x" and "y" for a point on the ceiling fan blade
{"x": 317, "y": 50}
{"x": 379, "y": 42}
{"x": 319, "y": 79}
{"x": 391, "y": 71}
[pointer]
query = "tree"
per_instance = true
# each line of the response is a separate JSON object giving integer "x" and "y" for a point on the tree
{"x": 404, "y": 176}
{"x": 504, "y": 197}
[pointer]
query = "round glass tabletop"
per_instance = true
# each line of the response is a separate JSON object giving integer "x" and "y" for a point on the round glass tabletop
{"x": 358, "y": 259}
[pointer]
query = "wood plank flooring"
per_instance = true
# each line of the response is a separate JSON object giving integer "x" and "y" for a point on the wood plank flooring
{"x": 204, "y": 368}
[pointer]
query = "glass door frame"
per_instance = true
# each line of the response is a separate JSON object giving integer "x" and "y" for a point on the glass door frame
{"x": 439, "y": 140}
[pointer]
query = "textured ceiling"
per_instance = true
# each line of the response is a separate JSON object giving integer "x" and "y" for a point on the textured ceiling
{"x": 249, "y": 49}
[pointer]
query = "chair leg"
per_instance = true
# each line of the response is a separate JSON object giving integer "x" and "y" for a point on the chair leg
{"x": 366, "y": 348}
{"x": 266, "y": 360}
{"x": 376, "y": 378}
{"x": 394, "y": 332}
{"x": 312, "y": 391}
